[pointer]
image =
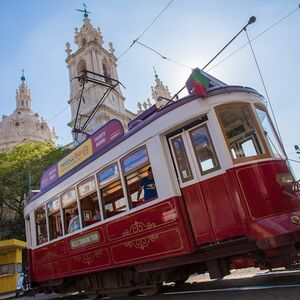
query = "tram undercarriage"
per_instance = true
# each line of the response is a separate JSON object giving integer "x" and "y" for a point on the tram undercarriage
{"x": 147, "y": 279}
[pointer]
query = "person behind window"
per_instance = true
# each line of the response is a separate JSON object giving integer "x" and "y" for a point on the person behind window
{"x": 97, "y": 215}
{"x": 74, "y": 222}
{"x": 148, "y": 185}
{"x": 68, "y": 218}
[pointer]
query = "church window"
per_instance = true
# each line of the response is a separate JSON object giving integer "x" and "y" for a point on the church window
{"x": 83, "y": 41}
{"x": 106, "y": 73}
{"x": 17, "y": 124}
{"x": 81, "y": 66}
{"x": 22, "y": 102}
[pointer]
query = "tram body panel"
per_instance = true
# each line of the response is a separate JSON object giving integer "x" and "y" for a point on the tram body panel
{"x": 157, "y": 232}
{"x": 269, "y": 217}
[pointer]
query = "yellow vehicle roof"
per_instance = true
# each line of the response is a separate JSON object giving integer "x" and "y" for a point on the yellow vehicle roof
{"x": 13, "y": 243}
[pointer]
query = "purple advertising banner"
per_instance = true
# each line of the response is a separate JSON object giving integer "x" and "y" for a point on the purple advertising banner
{"x": 100, "y": 139}
{"x": 49, "y": 176}
{"x": 106, "y": 134}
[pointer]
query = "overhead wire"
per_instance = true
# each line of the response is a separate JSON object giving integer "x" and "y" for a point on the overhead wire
{"x": 135, "y": 41}
{"x": 164, "y": 57}
{"x": 176, "y": 62}
{"x": 264, "y": 86}
{"x": 256, "y": 37}
{"x": 249, "y": 42}
{"x": 147, "y": 28}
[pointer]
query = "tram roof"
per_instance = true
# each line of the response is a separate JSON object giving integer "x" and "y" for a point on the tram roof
{"x": 140, "y": 122}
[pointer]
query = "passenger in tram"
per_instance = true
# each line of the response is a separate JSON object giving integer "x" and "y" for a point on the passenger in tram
{"x": 74, "y": 222}
{"x": 97, "y": 215}
{"x": 68, "y": 218}
{"x": 148, "y": 185}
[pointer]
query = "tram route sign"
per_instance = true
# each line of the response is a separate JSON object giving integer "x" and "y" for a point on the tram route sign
{"x": 96, "y": 142}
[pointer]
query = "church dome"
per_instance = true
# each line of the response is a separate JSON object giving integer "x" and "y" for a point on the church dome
{"x": 23, "y": 125}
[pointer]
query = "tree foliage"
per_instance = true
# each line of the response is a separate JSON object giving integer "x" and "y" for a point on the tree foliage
{"x": 20, "y": 171}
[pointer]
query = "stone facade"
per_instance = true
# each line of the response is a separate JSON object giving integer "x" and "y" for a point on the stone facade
{"x": 23, "y": 125}
{"x": 160, "y": 94}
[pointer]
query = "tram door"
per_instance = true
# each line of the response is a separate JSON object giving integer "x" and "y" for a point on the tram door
{"x": 196, "y": 162}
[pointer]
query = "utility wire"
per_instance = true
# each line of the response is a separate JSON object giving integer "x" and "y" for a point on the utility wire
{"x": 154, "y": 20}
{"x": 183, "y": 65}
{"x": 265, "y": 88}
{"x": 164, "y": 57}
{"x": 296, "y": 161}
{"x": 267, "y": 29}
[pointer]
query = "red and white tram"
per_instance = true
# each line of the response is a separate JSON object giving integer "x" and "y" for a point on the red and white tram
{"x": 224, "y": 199}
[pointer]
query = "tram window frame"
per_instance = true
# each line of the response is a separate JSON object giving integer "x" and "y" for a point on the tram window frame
{"x": 211, "y": 146}
{"x": 92, "y": 215}
{"x": 235, "y": 145}
{"x": 277, "y": 152}
{"x": 41, "y": 238}
{"x": 58, "y": 222}
{"x": 71, "y": 210}
{"x": 186, "y": 158}
{"x": 133, "y": 177}
{"x": 108, "y": 191}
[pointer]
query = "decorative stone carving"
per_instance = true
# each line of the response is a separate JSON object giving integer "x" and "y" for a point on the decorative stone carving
{"x": 111, "y": 48}
{"x": 159, "y": 92}
{"x": 68, "y": 49}
{"x": 87, "y": 33}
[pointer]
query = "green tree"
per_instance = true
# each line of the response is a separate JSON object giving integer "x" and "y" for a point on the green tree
{"x": 20, "y": 171}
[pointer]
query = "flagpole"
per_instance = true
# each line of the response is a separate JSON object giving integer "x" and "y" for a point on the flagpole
{"x": 250, "y": 21}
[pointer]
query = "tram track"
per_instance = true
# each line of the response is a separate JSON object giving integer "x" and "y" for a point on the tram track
{"x": 269, "y": 280}
{"x": 236, "y": 284}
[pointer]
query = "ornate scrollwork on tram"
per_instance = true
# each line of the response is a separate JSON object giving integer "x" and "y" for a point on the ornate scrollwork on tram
{"x": 137, "y": 227}
{"x": 142, "y": 243}
{"x": 88, "y": 258}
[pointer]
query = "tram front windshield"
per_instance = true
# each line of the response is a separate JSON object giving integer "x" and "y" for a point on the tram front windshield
{"x": 241, "y": 131}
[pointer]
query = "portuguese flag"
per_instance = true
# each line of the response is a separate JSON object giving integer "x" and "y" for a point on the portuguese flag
{"x": 200, "y": 83}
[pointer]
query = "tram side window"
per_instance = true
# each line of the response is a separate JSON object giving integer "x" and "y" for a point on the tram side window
{"x": 54, "y": 219}
{"x": 182, "y": 161}
{"x": 89, "y": 202}
{"x": 70, "y": 211}
{"x": 241, "y": 131}
{"x": 269, "y": 132}
{"x": 204, "y": 149}
{"x": 41, "y": 226}
{"x": 139, "y": 179}
{"x": 111, "y": 190}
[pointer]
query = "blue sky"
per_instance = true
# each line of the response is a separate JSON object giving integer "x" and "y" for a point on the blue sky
{"x": 34, "y": 33}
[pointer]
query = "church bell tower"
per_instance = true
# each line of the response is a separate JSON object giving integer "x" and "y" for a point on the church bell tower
{"x": 92, "y": 56}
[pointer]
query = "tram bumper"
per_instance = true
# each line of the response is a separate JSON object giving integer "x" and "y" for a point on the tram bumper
{"x": 278, "y": 237}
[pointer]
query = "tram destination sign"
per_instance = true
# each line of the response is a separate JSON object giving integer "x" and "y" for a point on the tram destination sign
{"x": 96, "y": 142}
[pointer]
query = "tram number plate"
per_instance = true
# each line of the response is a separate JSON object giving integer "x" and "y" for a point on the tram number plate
{"x": 85, "y": 240}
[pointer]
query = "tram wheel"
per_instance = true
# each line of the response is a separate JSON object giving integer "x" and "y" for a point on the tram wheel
{"x": 151, "y": 290}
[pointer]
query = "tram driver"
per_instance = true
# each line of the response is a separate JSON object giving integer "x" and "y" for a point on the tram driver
{"x": 148, "y": 185}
